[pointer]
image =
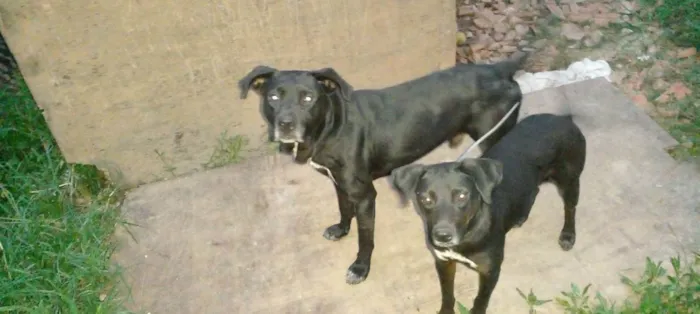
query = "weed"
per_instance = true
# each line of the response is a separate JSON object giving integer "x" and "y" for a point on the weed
{"x": 56, "y": 220}
{"x": 227, "y": 151}
{"x": 656, "y": 291}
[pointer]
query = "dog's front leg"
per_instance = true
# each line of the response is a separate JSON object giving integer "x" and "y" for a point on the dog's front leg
{"x": 347, "y": 212}
{"x": 446, "y": 273}
{"x": 362, "y": 196}
{"x": 488, "y": 277}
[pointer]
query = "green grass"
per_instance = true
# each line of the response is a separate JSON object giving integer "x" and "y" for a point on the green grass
{"x": 680, "y": 18}
{"x": 56, "y": 220}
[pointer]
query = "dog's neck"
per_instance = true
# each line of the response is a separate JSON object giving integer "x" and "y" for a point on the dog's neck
{"x": 478, "y": 229}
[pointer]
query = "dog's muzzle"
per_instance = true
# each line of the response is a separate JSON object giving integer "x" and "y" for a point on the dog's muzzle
{"x": 288, "y": 131}
{"x": 444, "y": 237}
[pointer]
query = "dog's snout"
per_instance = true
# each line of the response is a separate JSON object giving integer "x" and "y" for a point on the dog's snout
{"x": 286, "y": 124}
{"x": 443, "y": 235}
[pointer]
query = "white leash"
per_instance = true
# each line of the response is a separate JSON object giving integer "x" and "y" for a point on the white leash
{"x": 493, "y": 129}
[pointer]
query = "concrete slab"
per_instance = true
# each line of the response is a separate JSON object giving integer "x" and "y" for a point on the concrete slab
{"x": 247, "y": 239}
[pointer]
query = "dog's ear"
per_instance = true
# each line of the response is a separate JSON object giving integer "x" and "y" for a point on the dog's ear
{"x": 487, "y": 173}
{"x": 332, "y": 81}
{"x": 255, "y": 79}
{"x": 403, "y": 180}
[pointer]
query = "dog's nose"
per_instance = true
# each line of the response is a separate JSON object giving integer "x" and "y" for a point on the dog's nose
{"x": 442, "y": 235}
{"x": 285, "y": 124}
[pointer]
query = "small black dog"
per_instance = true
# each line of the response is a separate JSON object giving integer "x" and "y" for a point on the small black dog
{"x": 469, "y": 206}
{"x": 355, "y": 137}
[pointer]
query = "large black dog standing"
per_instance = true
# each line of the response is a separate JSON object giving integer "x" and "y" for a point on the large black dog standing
{"x": 469, "y": 206}
{"x": 355, "y": 137}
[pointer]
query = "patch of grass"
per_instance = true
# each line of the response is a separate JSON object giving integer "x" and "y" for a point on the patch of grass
{"x": 56, "y": 220}
{"x": 227, "y": 152}
{"x": 656, "y": 291}
{"x": 681, "y": 19}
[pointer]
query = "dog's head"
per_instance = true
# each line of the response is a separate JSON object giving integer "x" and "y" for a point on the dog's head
{"x": 448, "y": 196}
{"x": 293, "y": 102}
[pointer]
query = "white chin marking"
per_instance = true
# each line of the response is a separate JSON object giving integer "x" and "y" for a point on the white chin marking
{"x": 295, "y": 150}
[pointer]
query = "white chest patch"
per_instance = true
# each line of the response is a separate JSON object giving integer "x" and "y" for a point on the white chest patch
{"x": 452, "y": 255}
{"x": 325, "y": 169}
{"x": 314, "y": 164}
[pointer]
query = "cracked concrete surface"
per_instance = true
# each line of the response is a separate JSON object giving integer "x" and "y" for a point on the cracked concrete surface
{"x": 248, "y": 238}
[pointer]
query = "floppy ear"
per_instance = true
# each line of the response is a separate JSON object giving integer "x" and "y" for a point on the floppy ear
{"x": 332, "y": 80}
{"x": 403, "y": 180}
{"x": 255, "y": 79}
{"x": 487, "y": 173}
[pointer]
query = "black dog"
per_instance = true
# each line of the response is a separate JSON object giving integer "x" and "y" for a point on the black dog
{"x": 355, "y": 137}
{"x": 469, "y": 206}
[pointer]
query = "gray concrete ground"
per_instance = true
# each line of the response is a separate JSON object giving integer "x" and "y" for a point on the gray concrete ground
{"x": 247, "y": 238}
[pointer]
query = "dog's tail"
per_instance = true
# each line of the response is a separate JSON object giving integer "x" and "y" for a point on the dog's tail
{"x": 508, "y": 67}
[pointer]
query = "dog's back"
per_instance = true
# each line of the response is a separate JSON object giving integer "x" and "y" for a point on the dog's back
{"x": 541, "y": 148}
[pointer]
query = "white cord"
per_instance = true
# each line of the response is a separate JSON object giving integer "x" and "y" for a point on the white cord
{"x": 464, "y": 155}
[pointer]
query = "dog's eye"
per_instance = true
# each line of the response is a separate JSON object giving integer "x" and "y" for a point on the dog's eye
{"x": 274, "y": 97}
{"x": 426, "y": 200}
{"x": 462, "y": 196}
{"x": 307, "y": 98}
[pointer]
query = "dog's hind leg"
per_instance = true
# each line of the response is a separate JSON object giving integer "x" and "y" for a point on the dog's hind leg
{"x": 569, "y": 191}
{"x": 347, "y": 212}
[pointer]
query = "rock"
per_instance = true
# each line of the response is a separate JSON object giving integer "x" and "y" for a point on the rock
{"x": 580, "y": 17}
{"x": 663, "y": 98}
{"x": 510, "y": 36}
{"x": 572, "y": 31}
{"x": 659, "y": 84}
{"x": 482, "y": 23}
{"x": 514, "y": 20}
{"x": 667, "y": 112}
{"x": 539, "y": 44}
{"x": 466, "y": 10}
{"x": 618, "y": 76}
{"x": 679, "y": 90}
{"x": 523, "y": 43}
{"x": 629, "y": 6}
{"x": 686, "y": 53}
{"x": 461, "y": 38}
{"x": 521, "y": 30}
{"x": 626, "y": 31}
{"x": 555, "y": 9}
{"x": 641, "y": 101}
{"x": 593, "y": 38}
{"x": 494, "y": 46}
{"x": 652, "y": 50}
{"x": 574, "y": 7}
{"x": 477, "y": 46}
{"x": 499, "y": 36}
{"x": 500, "y": 28}
{"x": 509, "y": 49}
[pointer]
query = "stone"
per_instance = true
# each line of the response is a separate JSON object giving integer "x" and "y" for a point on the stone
{"x": 618, "y": 76}
{"x": 626, "y": 31}
{"x": 686, "y": 53}
{"x": 466, "y": 10}
{"x": 510, "y": 36}
{"x": 508, "y": 49}
{"x": 494, "y": 46}
{"x": 523, "y": 43}
{"x": 521, "y": 30}
{"x": 667, "y": 112}
{"x": 659, "y": 84}
{"x": 540, "y": 43}
{"x": 593, "y": 38}
{"x": 555, "y": 9}
{"x": 572, "y": 31}
{"x": 482, "y": 23}
{"x": 499, "y": 36}
{"x": 500, "y": 28}
{"x": 514, "y": 20}
{"x": 477, "y": 46}
{"x": 641, "y": 101}
{"x": 679, "y": 90}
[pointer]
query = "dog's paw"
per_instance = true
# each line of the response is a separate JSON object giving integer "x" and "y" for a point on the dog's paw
{"x": 357, "y": 273}
{"x": 567, "y": 240}
{"x": 335, "y": 232}
{"x": 446, "y": 311}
